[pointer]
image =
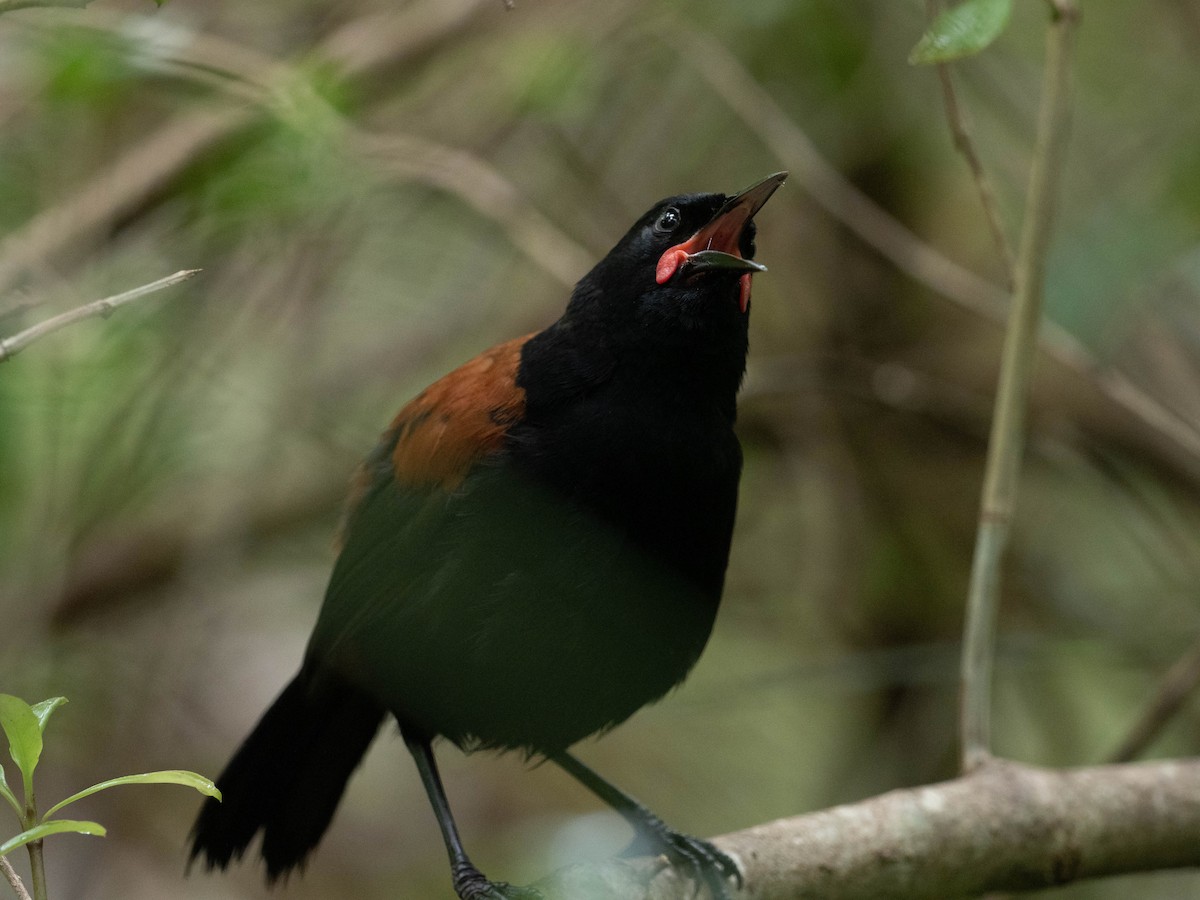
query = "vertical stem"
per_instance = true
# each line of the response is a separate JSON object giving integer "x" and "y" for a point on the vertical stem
{"x": 37, "y": 865}
{"x": 37, "y": 870}
{"x": 1006, "y": 441}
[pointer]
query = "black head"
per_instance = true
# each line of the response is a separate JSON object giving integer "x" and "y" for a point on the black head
{"x": 685, "y": 265}
{"x": 668, "y": 306}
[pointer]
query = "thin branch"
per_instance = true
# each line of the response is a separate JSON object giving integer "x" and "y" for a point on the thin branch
{"x": 11, "y": 876}
{"x": 1004, "y": 827}
{"x": 482, "y": 187}
{"x": 1006, "y": 442}
{"x": 13, "y": 5}
{"x": 828, "y": 187}
{"x": 960, "y": 132}
{"x": 1180, "y": 682}
{"x": 10, "y": 347}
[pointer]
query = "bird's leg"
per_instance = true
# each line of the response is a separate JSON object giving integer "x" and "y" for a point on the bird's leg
{"x": 705, "y": 862}
{"x": 469, "y": 882}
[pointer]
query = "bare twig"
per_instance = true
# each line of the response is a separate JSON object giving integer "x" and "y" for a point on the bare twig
{"x": 1006, "y": 442}
{"x": 960, "y": 132}
{"x": 11, "y": 876}
{"x": 1180, "y": 682}
{"x": 10, "y": 347}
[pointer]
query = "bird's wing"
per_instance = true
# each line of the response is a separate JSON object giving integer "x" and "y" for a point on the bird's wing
{"x": 408, "y": 493}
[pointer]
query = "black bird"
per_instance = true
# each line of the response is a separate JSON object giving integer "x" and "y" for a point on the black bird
{"x": 535, "y": 550}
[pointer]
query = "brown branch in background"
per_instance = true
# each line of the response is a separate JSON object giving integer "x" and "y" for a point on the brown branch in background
{"x": 254, "y": 77}
{"x": 1006, "y": 827}
{"x": 960, "y": 132}
{"x": 114, "y": 190}
{"x": 481, "y": 186}
{"x": 357, "y": 49}
{"x": 11, "y": 346}
{"x": 1180, "y": 682}
{"x": 11, "y": 876}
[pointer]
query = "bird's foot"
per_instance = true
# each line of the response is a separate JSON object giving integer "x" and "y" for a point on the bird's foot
{"x": 701, "y": 860}
{"x": 471, "y": 884}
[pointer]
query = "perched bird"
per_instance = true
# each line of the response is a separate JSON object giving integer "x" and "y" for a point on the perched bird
{"x": 535, "y": 550}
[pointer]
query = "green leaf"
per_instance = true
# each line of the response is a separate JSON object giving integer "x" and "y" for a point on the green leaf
{"x": 170, "y": 776}
{"x": 45, "y": 829}
{"x": 8, "y": 795}
{"x": 20, "y": 724}
{"x": 962, "y": 30}
{"x": 45, "y": 709}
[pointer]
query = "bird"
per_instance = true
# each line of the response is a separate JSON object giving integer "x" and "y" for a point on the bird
{"x": 535, "y": 550}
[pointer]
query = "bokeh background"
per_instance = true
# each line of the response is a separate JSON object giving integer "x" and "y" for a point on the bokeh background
{"x": 376, "y": 191}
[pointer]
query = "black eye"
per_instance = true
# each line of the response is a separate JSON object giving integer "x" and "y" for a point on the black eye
{"x": 668, "y": 221}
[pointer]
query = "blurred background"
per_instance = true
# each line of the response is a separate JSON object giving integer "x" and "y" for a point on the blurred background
{"x": 377, "y": 191}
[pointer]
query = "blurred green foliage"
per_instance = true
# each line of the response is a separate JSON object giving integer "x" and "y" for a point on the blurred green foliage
{"x": 378, "y": 191}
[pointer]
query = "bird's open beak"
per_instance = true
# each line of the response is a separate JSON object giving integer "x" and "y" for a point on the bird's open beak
{"x": 717, "y": 246}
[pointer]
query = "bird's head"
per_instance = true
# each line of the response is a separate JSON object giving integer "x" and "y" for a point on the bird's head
{"x": 686, "y": 263}
{"x": 667, "y": 308}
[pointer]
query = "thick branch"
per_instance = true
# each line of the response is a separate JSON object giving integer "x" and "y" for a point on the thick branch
{"x": 1005, "y": 827}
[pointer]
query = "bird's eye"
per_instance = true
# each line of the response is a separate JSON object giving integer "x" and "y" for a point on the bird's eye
{"x": 668, "y": 221}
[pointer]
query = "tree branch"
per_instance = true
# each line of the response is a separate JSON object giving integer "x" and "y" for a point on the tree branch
{"x": 10, "y": 347}
{"x": 11, "y": 876}
{"x": 1005, "y": 445}
{"x": 1004, "y": 827}
{"x": 960, "y": 132}
{"x": 1179, "y": 683}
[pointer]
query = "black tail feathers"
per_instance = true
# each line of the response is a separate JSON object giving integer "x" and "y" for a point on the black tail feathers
{"x": 289, "y": 774}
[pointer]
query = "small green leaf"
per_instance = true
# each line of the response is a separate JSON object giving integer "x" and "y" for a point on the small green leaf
{"x": 170, "y": 776}
{"x": 45, "y": 829}
{"x": 20, "y": 724}
{"x": 45, "y": 709}
{"x": 8, "y": 795}
{"x": 962, "y": 30}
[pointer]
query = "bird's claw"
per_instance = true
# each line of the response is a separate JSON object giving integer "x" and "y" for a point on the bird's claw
{"x": 471, "y": 884}
{"x": 705, "y": 863}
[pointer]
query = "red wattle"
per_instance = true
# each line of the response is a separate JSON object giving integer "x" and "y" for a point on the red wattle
{"x": 669, "y": 263}
{"x": 744, "y": 292}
